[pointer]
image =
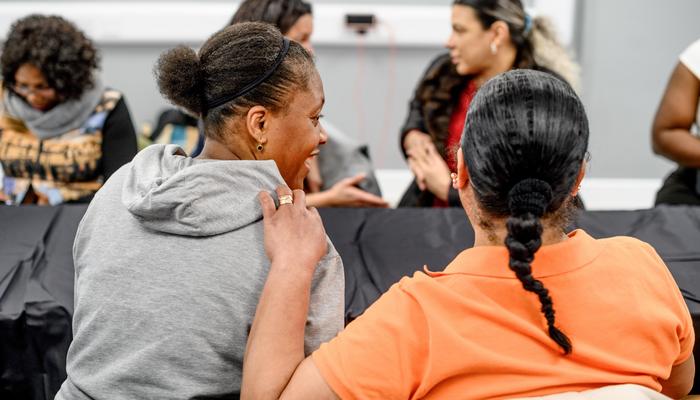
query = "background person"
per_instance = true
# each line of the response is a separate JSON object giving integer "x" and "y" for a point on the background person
{"x": 169, "y": 257}
{"x": 488, "y": 37}
{"x": 486, "y": 326}
{"x": 62, "y": 133}
{"x": 674, "y": 129}
{"x": 342, "y": 175}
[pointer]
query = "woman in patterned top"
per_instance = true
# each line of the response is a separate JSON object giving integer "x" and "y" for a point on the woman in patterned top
{"x": 62, "y": 133}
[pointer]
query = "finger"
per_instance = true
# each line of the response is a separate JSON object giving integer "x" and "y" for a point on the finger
{"x": 369, "y": 199}
{"x": 314, "y": 212}
{"x": 431, "y": 150}
{"x": 423, "y": 157}
{"x": 426, "y": 140}
{"x": 418, "y": 153}
{"x": 354, "y": 180}
{"x": 420, "y": 170}
{"x": 313, "y": 186}
{"x": 412, "y": 165}
{"x": 267, "y": 204}
{"x": 283, "y": 191}
{"x": 299, "y": 198}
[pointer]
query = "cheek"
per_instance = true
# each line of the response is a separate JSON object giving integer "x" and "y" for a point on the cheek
{"x": 468, "y": 49}
{"x": 297, "y": 148}
{"x": 472, "y": 57}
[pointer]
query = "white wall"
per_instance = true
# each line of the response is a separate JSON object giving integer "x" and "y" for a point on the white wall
{"x": 628, "y": 50}
{"x": 368, "y": 79}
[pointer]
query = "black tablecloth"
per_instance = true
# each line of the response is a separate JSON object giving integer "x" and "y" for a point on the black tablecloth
{"x": 378, "y": 247}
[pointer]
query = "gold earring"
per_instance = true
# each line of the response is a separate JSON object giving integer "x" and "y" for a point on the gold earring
{"x": 260, "y": 147}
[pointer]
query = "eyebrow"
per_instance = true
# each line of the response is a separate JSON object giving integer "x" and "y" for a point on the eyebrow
{"x": 320, "y": 106}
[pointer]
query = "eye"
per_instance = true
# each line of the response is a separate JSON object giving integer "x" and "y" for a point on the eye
{"x": 316, "y": 119}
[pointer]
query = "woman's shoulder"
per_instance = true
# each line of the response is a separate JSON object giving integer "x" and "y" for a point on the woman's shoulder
{"x": 637, "y": 254}
{"x": 627, "y": 242}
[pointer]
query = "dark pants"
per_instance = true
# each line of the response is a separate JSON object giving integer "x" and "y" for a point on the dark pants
{"x": 679, "y": 188}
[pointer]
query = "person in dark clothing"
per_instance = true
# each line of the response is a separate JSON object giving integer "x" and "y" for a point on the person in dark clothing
{"x": 62, "y": 133}
{"x": 488, "y": 37}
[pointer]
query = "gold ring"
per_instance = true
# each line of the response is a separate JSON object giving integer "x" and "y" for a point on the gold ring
{"x": 286, "y": 199}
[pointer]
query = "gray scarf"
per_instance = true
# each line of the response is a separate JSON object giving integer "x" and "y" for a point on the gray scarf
{"x": 62, "y": 118}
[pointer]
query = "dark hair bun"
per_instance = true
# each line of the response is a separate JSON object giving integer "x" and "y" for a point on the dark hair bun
{"x": 530, "y": 195}
{"x": 179, "y": 77}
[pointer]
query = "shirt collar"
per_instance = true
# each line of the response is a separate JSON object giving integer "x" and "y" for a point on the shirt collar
{"x": 492, "y": 261}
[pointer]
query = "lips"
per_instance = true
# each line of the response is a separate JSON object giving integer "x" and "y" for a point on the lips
{"x": 310, "y": 157}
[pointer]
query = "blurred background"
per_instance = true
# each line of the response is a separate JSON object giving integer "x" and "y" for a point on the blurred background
{"x": 626, "y": 49}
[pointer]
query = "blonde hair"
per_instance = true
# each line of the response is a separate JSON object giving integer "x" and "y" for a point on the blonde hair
{"x": 536, "y": 38}
{"x": 549, "y": 52}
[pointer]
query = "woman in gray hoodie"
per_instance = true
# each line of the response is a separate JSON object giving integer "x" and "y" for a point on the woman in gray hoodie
{"x": 169, "y": 257}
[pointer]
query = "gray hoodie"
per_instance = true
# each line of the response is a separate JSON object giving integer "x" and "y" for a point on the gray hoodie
{"x": 169, "y": 266}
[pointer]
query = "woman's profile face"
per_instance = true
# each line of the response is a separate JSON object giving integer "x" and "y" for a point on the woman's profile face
{"x": 301, "y": 32}
{"x": 469, "y": 42}
{"x": 295, "y": 134}
{"x": 32, "y": 85}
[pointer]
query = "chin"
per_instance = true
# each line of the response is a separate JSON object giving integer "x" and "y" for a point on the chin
{"x": 295, "y": 183}
{"x": 462, "y": 69}
{"x": 40, "y": 107}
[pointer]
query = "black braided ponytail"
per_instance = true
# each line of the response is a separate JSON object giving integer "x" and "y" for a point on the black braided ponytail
{"x": 524, "y": 143}
{"x": 528, "y": 200}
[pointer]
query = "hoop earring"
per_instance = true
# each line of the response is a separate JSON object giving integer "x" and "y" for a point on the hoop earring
{"x": 494, "y": 49}
{"x": 260, "y": 147}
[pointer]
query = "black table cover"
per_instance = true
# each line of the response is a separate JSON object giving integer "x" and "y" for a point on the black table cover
{"x": 378, "y": 247}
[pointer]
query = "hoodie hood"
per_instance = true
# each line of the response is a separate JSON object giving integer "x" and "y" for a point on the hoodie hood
{"x": 172, "y": 193}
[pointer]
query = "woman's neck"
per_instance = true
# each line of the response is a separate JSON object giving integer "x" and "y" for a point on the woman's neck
{"x": 495, "y": 235}
{"x": 214, "y": 150}
{"x": 503, "y": 61}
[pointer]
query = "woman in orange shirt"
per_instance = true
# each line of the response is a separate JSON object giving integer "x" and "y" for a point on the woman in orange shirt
{"x": 471, "y": 331}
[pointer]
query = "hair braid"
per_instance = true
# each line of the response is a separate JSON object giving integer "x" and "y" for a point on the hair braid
{"x": 528, "y": 200}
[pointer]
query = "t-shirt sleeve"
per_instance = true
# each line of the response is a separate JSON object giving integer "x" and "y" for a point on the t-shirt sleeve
{"x": 381, "y": 354}
{"x": 684, "y": 331}
{"x": 691, "y": 58}
{"x": 327, "y": 302}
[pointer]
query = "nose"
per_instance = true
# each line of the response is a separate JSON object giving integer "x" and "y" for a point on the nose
{"x": 309, "y": 47}
{"x": 33, "y": 99}
{"x": 323, "y": 137}
{"x": 450, "y": 42}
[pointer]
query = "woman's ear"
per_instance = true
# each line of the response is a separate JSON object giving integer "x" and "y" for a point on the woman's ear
{"x": 501, "y": 33}
{"x": 257, "y": 122}
{"x": 579, "y": 178}
{"x": 462, "y": 172}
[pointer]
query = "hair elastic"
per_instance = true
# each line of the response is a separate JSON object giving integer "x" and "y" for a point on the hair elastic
{"x": 252, "y": 85}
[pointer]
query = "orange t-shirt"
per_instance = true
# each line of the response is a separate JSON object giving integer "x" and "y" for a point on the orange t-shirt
{"x": 473, "y": 332}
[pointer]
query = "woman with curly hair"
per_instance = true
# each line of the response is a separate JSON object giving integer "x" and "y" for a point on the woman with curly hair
{"x": 488, "y": 37}
{"x": 62, "y": 133}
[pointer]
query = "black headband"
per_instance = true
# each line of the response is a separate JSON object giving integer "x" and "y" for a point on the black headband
{"x": 252, "y": 85}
